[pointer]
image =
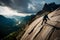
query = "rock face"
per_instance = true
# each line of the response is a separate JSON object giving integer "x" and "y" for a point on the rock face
{"x": 48, "y": 31}
{"x": 48, "y": 8}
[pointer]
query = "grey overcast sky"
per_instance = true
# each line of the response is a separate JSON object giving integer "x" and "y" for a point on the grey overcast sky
{"x": 32, "y": 6}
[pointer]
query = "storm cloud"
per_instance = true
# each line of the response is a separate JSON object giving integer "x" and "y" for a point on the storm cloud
{"x": 5, "y": 2}
{"x": 26, "y": 6}
{"x": 22, "y": 5}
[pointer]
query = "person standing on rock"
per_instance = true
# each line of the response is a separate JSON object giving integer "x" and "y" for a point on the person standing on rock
{"x": 45, "y": 18}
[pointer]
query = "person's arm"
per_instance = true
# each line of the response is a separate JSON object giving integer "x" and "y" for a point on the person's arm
{"x": 48, "y": 18}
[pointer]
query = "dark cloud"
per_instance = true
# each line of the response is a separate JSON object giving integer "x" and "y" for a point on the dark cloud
{"x": 25, "y": 5}
{"x": 5, "y": 2}
{"x": 19, "y": 5}
{"x": 22, "y": 5}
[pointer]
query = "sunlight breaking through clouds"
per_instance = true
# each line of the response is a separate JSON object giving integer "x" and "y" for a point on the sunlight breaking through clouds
{"x": 6, "y": 11}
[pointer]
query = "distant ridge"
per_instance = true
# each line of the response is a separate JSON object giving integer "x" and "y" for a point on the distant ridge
{"x": 48, "y": 8}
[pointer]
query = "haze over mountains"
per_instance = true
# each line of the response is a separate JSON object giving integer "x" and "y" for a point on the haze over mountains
{"x": 9, "y": 25}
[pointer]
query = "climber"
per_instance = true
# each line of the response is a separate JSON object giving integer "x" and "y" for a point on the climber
{"x": 45, "y": 18}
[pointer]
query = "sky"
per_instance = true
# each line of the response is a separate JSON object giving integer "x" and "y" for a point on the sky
{"x": 22, "y": 7}
{"x": 9, "y": 12}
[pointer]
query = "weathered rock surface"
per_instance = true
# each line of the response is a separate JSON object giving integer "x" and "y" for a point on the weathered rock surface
{"x": 48, "y": 31}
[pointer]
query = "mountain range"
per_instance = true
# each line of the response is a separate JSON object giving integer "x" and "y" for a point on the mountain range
{"x": 8, "y": 25}
{"x": 29, "y": 19}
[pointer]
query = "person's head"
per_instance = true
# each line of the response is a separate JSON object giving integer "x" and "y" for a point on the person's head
{"x": 46, "y": 13}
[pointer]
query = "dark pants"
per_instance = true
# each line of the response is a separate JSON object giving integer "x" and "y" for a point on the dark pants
{"x": 44, "y": 21}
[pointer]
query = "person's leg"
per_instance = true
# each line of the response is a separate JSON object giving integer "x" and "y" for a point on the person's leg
{"x": 42, "y": 22}
{"x": 45, "y": 21}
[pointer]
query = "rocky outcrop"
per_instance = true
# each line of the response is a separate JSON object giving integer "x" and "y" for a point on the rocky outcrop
{"x": 48, "y": 31}
{"x": 48, "y": 8}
